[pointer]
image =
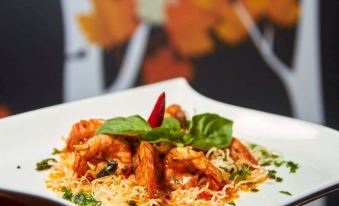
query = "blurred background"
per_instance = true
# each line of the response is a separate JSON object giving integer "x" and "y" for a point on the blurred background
{"x": 277, "y": 56}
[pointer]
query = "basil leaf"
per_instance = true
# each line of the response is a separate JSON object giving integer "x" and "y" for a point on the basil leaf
{"x": 171, "y": 123}
{"x": 209, "y": 130}
{"x": 127, "y": 126}
{"x": 163, "y": 134}
{"x": 169, "y": 131}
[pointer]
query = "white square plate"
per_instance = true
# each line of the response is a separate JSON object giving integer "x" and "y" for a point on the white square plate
{"x": 30, "y": 137}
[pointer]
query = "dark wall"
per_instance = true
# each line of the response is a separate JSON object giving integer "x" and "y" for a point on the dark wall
{"x": 330, "y": 55}
{"x": 31, "y": 54}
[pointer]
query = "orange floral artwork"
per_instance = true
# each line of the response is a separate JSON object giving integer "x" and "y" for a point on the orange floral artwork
{"x": 111, "y": 22}
{"x": 4, "y": 110}
{"x": 163, "y": 65}
{"x": 229, "y": 27}
{"x": 285, "y": 13}
{"x": 188, "y": 25}
{"x": 256, "y": 8}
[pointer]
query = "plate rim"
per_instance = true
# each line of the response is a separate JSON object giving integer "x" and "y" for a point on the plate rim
{"x": 183, "y": 84}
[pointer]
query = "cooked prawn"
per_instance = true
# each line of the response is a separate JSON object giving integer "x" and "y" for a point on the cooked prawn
{"x": 148, "y": 168}
{"x": 103, "y": 148}
{"x": 81, "y": 131}
{"x": 240, "y": 152}
{"x": 163, "y": 147}
{"x": 185, "y": 168}
{"x": 176, "y": 112}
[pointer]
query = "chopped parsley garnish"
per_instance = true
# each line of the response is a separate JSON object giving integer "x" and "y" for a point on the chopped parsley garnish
{"x": 232, "y": 203}
{"x": 84, "y": 199}
{"x": 109, "y": 169}
{"x": 279, "y": 179}
{"x": 68, "y": 195}
{"x": 293, "y": 166}
{"x": 81, "y": 199}
{"x": 265, "y": 153}
{"x": 267, "y": 163}
{"x": 252, "y": 146}
{"x": 254, "y": 190}
{"x": 278, "y": 164}
{"x": 270, "y": 156}
{"x": 285, "y": 193}
{"x": 132, "y": 203}
{"x": 44, "y": 164}
{"x": 272, "y": 174}
{"x": 56, "y": 151}
{"x": 241, "y": 174}
{"x": 225, "y": 158}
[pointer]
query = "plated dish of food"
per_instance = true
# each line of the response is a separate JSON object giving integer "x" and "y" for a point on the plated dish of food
{"x": 113, "y": 150}
{"x": 169, "y": 159}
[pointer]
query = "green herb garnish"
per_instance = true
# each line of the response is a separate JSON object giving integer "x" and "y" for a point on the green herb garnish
{"x": 278, "y": 164}
{"x": 81, "y": 199}
{"x": 18, "y": 167}
{"x": 285, "y": 193}
{"x": 169, "y": 131}
{"x": 293, "y": 166}
{"x": 265, "y": 153}
{"x": 205, "y": 131}
{"x": 56, "y": 151}
{"x": 252, "y": 146}
{"x": 272, "y": 174}
{"x": 268, "y": 155}
{"x": 209, "y": 130}
{"x": 232, "y": 203}
{"x": 127, "y": 126}
{"x": 109, "y": 169}
{"x": 225, "y": 158}
{"x": 84, "y": 199}
{"x": 68, "y": 195}
{"x": 279, "y": 179}
{"x": 44, "y": 164}
{"x": 254, "y": 190}
{"x": 267, "y": 163}
{"x": 132, "y": 203}
{"x": 241, "y": 174}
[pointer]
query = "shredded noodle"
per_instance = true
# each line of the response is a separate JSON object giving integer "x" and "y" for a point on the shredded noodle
{"x": 117, "y": 190}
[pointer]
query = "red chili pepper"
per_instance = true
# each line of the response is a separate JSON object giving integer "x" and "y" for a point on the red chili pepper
{"x": 157, "y": 115}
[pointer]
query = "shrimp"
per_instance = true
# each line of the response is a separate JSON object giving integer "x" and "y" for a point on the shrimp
{"x": 240, "y": 152}
{"x": 185, "y": 168}
{"x": 176, "y": 112}
{"x": 148, "y": 168}
{"x": 81, "y": 131}
{"x": 163, "y": 147}
{"x": 103, "y": 148}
